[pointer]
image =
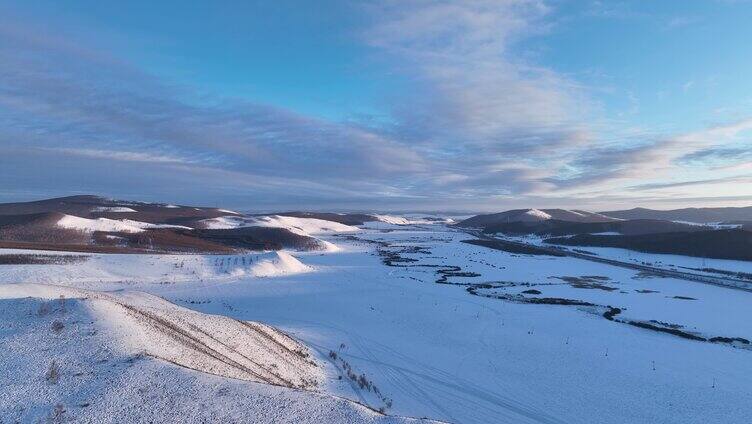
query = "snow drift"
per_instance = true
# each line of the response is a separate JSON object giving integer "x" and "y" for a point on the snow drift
{"x": 277, "y": 263}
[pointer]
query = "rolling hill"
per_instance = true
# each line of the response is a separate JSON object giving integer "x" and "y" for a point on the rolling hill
{"x": 533, "y": 215}
{"x": 97, "y": 224}
{"x": 735, "y": 244}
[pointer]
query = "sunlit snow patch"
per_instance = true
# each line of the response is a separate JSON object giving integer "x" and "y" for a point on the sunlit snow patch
{"x": 109, "y": 225}
{"x": 300, "y": 226}
{"x": 411, "y": 220}
{"x": 537, "y": 213}
{"x": 113, "y": 209}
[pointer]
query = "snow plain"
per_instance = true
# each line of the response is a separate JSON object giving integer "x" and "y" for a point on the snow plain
{"x": 432, "y": 350}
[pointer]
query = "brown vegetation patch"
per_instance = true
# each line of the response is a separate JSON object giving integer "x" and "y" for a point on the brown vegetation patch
{"x": 587, "y": 282}
{"x": 35, "y": 259}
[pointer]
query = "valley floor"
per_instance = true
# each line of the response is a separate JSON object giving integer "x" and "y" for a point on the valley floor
{"x": 426, "y": 325}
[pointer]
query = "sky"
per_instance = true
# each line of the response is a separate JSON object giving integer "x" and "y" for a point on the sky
{"x": 408, "y": 105}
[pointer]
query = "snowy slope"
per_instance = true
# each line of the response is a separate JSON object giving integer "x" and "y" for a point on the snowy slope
{"x": 278, "y": 263}
{"x": 301, "y": 226}
{"x": 537, "y": 214}
{"x": 104, "y": 350}
{"x": 112, "y": 209}
{"x": 207, "y": 343}
{"x": 109, "y": 225}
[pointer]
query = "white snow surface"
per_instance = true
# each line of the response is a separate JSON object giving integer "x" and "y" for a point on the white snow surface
{"x": 411, "y": 219}
{"x": 99, "y": 270}
{"x": 433, "y": 350}
{"x": 396, "y": 220}
{"x": 710, "y": 225}
{"x": 301, "y": 226}
{"x": 537, "y": 213}
{"x": 109, "y": 225}
{"x": 112, "y": 209}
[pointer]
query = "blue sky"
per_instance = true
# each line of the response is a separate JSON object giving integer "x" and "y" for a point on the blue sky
{"x": 395, "y": 105}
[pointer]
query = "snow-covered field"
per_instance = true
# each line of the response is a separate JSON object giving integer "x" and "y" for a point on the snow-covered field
{"x": 117, "y": 271}
{"x": 373, "y": 310}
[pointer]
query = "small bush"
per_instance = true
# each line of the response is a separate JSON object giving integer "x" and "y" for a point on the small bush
{"x": 57, "y": 415}
{"x": 53, "y": 373}
{"x": 57, "y": 326}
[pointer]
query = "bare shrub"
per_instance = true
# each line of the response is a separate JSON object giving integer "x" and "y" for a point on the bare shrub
{"x": 362, "y": 381}
{"x": 53, "y": 373}
{"x": 57, "y": 415}
{"x": 37, "y": 259}
{"x": 44, "y": 234}
{"x": 43, "y": 309}
{"x": 57, "y": 326}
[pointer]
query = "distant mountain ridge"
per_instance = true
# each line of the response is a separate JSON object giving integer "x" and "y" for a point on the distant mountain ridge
{"x": 534, "y": 215}
{"x": 699, "y": 215}
{"x": 89, "y": 206}
{"x": 342, "y": 218}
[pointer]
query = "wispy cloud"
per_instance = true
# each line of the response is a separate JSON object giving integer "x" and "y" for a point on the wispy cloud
{"x": 744, "y": 179}
{"x": 477, "y": 107}
{"x": 681, "y": 21}
{"x": 120, "y": 155}
{"x": 56, "y": 97}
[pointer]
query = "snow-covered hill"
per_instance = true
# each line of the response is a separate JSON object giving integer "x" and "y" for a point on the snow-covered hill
{"x": 534, "y": 215}
{"x": 95, "y": 357}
